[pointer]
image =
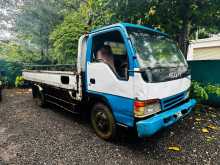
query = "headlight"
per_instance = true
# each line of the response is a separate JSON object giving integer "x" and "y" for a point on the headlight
{"x": 146, "y": 108}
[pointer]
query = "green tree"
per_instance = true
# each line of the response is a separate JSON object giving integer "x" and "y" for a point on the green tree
{"x": 35, "y": 22}
{"x": 15, "y": 52}
{"x": 181, "y": 19}
{"x": 90, "y": 15}
{"x": 130, "y": 11}
{"x": 8, "y": 13}
{"x": 50, "y": 29}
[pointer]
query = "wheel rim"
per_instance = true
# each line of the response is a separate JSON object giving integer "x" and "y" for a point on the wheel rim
{"x": 102, "y": 122}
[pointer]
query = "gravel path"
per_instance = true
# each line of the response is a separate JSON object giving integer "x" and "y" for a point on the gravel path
{"x": 32, "y": 135}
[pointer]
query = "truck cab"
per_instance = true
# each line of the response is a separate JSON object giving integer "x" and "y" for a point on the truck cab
{"x": 132, "y": 76}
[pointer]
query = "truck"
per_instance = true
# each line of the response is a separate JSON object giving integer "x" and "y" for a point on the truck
{"x": 126, "y": 75}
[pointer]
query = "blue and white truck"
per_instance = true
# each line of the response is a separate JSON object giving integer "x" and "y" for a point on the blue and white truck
{"x": 127, "y": 75}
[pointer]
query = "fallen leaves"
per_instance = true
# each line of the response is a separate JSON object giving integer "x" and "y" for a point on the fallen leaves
{"x": 213, "y": 127}
{"x": 210, "y": 126}
{"x": 206, "y": 122}
{"x": 205, "y": 130}
{"x": 210, "y": 138}
{"x": 198, "y": 119}
{"x": 174, "y": 148}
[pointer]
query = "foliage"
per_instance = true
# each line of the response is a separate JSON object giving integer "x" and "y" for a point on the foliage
{"x": 63, "y": 21}
{"x": 129, "y": 11}
{"x": 12, "y": 70}
{"x": 181, "y": 19}
{"x": 66, "y": 35}
{"x": 19, "y": 81}
{"x": 47, "y": 31}
{"x": 198, "y": 91}
{"x": 36, "y": 21}
{"x": 15, "y": 52}
{"x": 8, "y": 14}
{"x": 65, "y": 38}
{"x": 202, "y": 91}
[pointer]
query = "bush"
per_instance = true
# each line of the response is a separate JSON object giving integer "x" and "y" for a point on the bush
{"x": 19, "y": 82}
{"x": 12, "y": 70}
{"x": 201, "y": 91}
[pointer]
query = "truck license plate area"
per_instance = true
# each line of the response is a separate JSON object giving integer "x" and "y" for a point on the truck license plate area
{"x": 178, "y": 115}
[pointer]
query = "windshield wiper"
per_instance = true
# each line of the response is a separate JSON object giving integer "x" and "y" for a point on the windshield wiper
{"x": 159, "y": 67}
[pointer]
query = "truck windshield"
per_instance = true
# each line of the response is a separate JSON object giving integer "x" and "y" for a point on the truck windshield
{"x": 158, "y": 56}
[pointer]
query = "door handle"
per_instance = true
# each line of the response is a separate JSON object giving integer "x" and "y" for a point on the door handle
{"x": 92, "y": 80}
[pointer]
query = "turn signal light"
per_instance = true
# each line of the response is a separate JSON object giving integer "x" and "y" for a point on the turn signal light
{"x": 146, "y": 108}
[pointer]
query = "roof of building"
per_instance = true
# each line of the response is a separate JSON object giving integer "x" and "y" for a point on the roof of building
{"x": 206, "y": 42}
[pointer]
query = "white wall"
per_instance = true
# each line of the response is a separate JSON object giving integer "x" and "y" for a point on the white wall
{"x": 208, "y": 47}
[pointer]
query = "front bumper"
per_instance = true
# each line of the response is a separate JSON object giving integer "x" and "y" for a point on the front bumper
{"x": 152, "y": 125}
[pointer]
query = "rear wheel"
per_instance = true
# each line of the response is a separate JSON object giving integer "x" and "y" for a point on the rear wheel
{"x": 103, "y": 122}
{"x": 39, "y": 97}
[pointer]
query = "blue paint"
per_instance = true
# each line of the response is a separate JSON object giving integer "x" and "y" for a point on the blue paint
{"x": 171, "y": 101}
{"x": 106, "y": 28}
{"x": 144, "y": 27}
{"x": 124, "y": 25}
{"x": 122, "y": 108}
{"x": 152, "y": 125}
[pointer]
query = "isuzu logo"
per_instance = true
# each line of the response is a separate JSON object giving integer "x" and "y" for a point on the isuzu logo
{"x": 175, "y": 74}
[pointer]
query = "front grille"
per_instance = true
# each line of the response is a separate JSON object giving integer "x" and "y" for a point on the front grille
{"x": 172, "y": 101}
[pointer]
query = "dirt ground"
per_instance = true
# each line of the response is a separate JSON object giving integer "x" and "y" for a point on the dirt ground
{"x": 32, "y": 135}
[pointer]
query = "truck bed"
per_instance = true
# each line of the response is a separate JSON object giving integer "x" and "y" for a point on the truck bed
{"x": 62, "y": 79}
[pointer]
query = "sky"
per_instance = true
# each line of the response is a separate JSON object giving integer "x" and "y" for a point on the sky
{"x": 5, "y": 26}
{"x": 8, "y": 10}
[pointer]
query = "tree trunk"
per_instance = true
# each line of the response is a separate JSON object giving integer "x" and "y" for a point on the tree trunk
{"x": 185, "y": 31}
{"x": 41, "y": 44}
{"x": 184, "y": 37}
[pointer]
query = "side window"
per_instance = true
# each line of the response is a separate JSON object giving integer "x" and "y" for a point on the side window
{"x": 117, "y": 48}
{"x": 110, "y": 48}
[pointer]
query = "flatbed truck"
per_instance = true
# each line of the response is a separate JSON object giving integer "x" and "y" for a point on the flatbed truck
{"x": 130, "y": 75}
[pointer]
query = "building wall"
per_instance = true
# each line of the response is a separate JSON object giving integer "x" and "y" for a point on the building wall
{"x": 204, "y": 49}
{"x": 207, "y": 72}
{"x": 206, "y": 53}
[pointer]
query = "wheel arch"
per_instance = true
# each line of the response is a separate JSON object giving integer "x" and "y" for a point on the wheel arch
{"x": 36, "y": 88}
{"x": 97, "y": 98}
{"x": 121, "y": 108}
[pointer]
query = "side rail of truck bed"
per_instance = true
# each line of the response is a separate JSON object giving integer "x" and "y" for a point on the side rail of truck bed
{"x": 61, "y": 79}
{"x": 50, "y": 75}
{"x": 60, "y": 67}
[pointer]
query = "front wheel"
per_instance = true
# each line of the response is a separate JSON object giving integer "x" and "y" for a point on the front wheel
{"x": 103, "y": 122}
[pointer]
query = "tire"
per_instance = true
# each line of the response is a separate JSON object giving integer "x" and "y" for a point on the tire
{"x": 103, "y": 122}
{"x": 39, "y": 97}
{"x": 34, "y": 91}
